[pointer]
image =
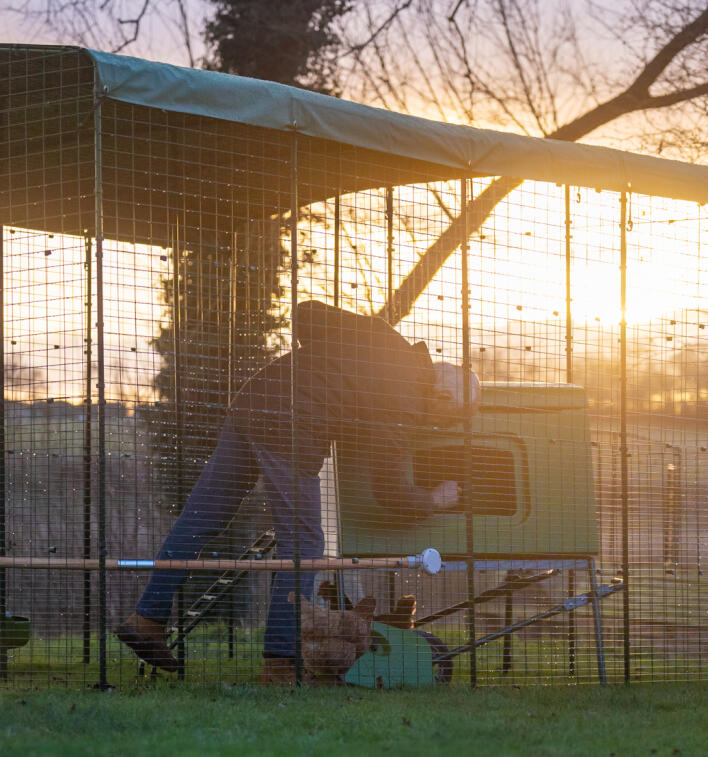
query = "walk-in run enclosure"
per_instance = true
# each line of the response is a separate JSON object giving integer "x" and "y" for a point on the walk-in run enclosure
{"x": 168, "y": 233}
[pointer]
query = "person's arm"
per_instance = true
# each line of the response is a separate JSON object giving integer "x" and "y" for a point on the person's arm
{"x": 394, "y": 489}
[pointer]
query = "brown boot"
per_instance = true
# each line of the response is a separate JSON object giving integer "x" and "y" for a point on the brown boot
{"x": 279, "y": 671}
{"x": 148, "y": 639}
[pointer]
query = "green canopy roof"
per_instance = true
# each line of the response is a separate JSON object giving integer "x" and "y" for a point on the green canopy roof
{"x": 461, "y": 148}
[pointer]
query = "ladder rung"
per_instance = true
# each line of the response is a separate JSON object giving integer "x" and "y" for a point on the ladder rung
{"x": 208, "y": 597}
{"x": 193, "y": 613}
{"x": 225, "y": 581}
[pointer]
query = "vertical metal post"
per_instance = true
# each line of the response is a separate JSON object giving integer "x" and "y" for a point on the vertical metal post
{"x": 597, "y": 622}
{"x": 337, "y": 230}
{"x": 87, "y": 450}
{"x": 569, "y": 380}
{"x": 179, "y": 421}
{"x": 571, "y": 626}
{"x": 294, "y": 441}
{"x": 467, "y": 488}
{"x": 338, "y": 575}
{"x": 624, "y": 474}
{"x": 101, "y": 410}
{"x": 389, "y": 255}
{"x": 568, "y": 299}
{"x": 3, "y": 515}
{"x": 231, "y": 368}
{"x": 507, "y": 658}
{"x": 391, "y": 588}
{"x": 672, "y": 509}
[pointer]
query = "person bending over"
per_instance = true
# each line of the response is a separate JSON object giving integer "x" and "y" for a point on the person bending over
{"x": 357, "y": 378}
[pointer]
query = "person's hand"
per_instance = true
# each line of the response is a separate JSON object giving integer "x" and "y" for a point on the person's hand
{"x": 446, "y": 495}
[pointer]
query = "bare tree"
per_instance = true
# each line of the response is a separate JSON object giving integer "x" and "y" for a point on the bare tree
{"x": 554, "y": 69}
{"x": 621, "y": 72}
{"x": 153, "y": 28}
{"x": 291, "y": 41}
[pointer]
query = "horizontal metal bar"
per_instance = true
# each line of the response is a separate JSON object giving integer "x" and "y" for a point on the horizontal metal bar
{"x": 540, "y": 563}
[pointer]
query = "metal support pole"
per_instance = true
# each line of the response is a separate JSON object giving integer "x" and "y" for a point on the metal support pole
{"x": 624, "y": 473}
{"x": 391, "y": 583}
{"x": 294, "y": 441}
{"x": 597, "y": 619}
{"x": 571, "y": 626}
{"x": 181, "y": 644}
{"x": 3, "y": 514}
{"x": 467, "y": 484}
{"x": 87, "y": 451}
{"x": 231, "y": 368}
{"x": 101, "y": 410}
{"x": 569, "y": 380}
{"x": 507, "y": 657}
{"x": 672, "y": 510}
{"x": 179, "y": 419}
{"x": 390, "y": 315}
{"x": 338, "y": 575}
{"x": 568, "y": 299}
{"x": 337, "y": 232}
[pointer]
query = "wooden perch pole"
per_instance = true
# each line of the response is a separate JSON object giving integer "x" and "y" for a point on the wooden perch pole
{"x": 428, "y": 561}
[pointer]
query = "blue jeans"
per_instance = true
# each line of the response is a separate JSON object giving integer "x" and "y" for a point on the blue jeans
{"x": 227, "y": 478}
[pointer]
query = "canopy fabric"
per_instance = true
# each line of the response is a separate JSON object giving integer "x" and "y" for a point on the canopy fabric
{"x": 462, "y": 148}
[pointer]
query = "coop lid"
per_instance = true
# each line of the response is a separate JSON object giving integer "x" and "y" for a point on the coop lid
{"x": 463, "y": 148}
{"x": 531, "y": 397}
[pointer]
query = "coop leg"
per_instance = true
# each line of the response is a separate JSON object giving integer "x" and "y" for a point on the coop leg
{"x": 339, "y": 578}
{"x": 571, "y": 626}
{"x": 508, "y": 621}
{"x": 597, "y": 617}
{"x": 391, "y": 589}
{"x": 180, "y": 634}
{"x": 231, "y": 599}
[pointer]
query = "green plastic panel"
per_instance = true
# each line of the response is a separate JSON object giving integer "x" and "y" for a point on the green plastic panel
{"x": 530, "y": 482}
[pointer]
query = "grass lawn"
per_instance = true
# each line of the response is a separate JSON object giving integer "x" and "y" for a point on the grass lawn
{"x": 174, "y": 719}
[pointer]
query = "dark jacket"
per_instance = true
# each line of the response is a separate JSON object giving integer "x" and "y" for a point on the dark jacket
{"x": 357, "y": 380}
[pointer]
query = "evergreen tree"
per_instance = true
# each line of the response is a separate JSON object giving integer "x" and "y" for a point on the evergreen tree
{"x": 223, "y": 328}
{"x": 227, "y": 286}
{"x": 289, "y": 41}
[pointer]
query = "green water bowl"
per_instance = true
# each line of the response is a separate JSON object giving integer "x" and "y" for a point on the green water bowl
{"x": 14, "y": 631}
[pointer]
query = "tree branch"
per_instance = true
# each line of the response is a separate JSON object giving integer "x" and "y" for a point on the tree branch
{"x": 655, "y": 67}
{"x": 672, "y": 98}
{"x": 518, "y": 64}
{"x": 185, "y": 31}
{"x": 633, "y": 98}
{"x": 382, "y": 27}
{"x": 136, "y": 27}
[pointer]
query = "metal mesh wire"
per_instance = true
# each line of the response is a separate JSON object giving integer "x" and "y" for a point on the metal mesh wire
{"x": 152, "y": 263}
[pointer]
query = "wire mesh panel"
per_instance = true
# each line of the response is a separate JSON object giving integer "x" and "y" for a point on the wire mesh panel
{"x": 251, "y": 375}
